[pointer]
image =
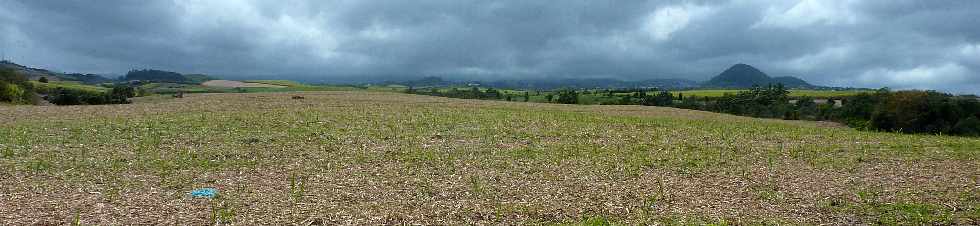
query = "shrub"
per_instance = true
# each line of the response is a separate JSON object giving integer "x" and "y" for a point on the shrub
{"x": 118, "y": 95}
{"x": 567, "y": 96}
{"x": 969, "y": 126}
{"x": 14, "y": 88}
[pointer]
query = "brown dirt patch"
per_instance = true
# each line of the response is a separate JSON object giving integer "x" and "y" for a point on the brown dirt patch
{"x": 238, "y": 84}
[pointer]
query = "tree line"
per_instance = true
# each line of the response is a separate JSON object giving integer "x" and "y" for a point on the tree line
{"x": 119, "y": 94}
{"x": 911, "y": 111}
{"x": 907, "y": 111}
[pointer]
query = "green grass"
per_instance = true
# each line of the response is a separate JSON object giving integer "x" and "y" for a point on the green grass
{"x": 72, "y": 85}
{"x": 387, "y": 158}
{"x": 869, "y": 207}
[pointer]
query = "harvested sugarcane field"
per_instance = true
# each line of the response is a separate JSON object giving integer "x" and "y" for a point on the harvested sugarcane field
{"x": 390, "y": 158}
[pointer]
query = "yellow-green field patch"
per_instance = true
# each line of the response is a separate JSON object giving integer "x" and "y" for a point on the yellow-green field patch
{"x": 72, "y": 85}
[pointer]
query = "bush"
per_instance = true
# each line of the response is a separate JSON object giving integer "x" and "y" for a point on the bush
{"x": 11, "y": 91}
{"x": 567, "y": 96}
{"x": 14, "y": 88}
{"x": 664, "y": 98}
{"x": 123, "y": 91}
{"x": 118, "y": 95}
{"x": 968, "y": 126}
{"x": 764, "y": 102}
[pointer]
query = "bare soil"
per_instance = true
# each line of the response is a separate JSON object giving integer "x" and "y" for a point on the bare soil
{"x": 238, "y": 84}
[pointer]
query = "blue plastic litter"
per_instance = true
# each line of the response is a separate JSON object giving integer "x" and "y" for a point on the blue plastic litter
{"x": 204, "y": 193}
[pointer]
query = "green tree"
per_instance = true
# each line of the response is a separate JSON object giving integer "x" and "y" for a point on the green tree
{"x": 664, "y": 98}
{"x": 690, "y": 102}
{"x": 568, "y": 96}
{"x": 474, "y": 93}
{"x": 969, "y": 126}
{"x": 806, "y": 108}
{"x": 491, "y": 93}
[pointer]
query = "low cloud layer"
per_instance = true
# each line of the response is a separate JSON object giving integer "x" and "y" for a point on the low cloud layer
{"x": 898, "y": 43}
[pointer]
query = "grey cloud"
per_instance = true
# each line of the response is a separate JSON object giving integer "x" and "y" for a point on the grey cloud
{"x": 833, "y": 42}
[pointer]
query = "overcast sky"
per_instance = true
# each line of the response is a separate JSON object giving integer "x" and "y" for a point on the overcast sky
{"x": 922, "y": 44}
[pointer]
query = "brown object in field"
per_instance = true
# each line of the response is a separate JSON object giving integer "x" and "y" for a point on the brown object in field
{"x": 179, "y": 95}
{"x": 298, "y": 97}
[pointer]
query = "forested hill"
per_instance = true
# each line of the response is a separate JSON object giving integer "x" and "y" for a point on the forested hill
{"x": 745, "y": 76}
{"x": 151, "y": 75}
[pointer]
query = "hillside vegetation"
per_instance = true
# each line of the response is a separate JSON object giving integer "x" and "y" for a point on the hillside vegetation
{"x": 15, "y": 88}
{"x": 388, "y": 158}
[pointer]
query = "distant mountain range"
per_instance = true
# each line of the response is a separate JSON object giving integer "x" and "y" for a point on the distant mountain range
{"x": 146, "y": 75}
{"x": 601, "y": 83}
{"x": 36, "y": 73}
{"x": 592, "y": 83}
{"x": 738, "y": 76}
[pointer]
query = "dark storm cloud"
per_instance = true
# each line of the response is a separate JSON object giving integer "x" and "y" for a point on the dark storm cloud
{"x": 900, "y": 43}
